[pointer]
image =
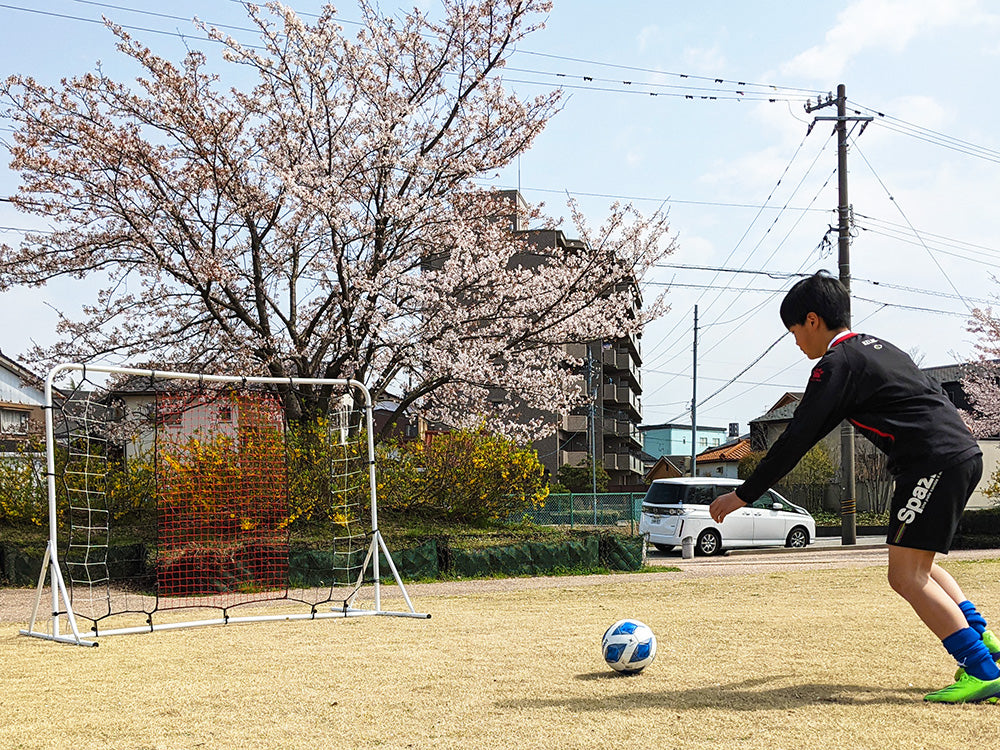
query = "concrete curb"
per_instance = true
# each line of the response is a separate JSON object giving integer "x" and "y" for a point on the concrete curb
{"x": 810, "y": 548}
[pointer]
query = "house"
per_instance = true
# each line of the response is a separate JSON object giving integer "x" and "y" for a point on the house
{"x": 670, "y": 439}
{"x": 22, "y": 401}
{"x": 157, "y": 413}
{"x": 406, "y": 427}
{"x": 662, "y": 468}
{"x": 723, "y": 461}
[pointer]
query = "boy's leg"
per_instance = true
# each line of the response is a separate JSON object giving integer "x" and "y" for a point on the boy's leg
{"x": 924, "y": 516}
{"x": 944, "y": 579}
{"x": 973, "y": 618}
{"x": 910, "y": 577}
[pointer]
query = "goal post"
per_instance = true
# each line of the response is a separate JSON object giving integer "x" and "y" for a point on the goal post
{"x": 172, "y": 499}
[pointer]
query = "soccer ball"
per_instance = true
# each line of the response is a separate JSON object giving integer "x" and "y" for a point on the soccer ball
{"x": 629, "y": 646}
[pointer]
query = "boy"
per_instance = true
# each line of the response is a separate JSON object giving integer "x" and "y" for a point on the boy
{"x": 933, "y": 457}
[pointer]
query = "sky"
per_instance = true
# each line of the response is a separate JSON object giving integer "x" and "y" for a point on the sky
{"x": 699, "y": 109}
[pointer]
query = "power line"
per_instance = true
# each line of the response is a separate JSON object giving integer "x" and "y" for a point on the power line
{"x": 724, "y": 289}
{"x": 647, "y": 198}
{"x": 796, "y": 274}
{"x": 931, "y": 136}
{"x": 740, "y": 88}
{"x": 653, "y": 71}
{"x": 668, "y": 345}
{"x": 944, "y": 238}
{"x": 726, "y": 96}
{"x": 750, "y": 313}
{"x": 907, "y": 220}
{"x": 909, "y": 239}
{"x": 82, "y": 19}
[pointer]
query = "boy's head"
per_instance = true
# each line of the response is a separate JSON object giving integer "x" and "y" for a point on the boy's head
{"x": 821, "y": 294}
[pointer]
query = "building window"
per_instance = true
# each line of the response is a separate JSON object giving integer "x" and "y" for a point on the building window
{"x": 703, "y": 442}
{"x": 13, "y": 422}
{"x": 169, "y": 417}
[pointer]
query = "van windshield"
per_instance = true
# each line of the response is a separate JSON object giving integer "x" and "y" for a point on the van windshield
{"x": 660, "y": 493}
{"x": 687, "y": 494}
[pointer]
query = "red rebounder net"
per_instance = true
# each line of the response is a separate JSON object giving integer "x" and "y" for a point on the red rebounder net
{"x": 222, "y": 516}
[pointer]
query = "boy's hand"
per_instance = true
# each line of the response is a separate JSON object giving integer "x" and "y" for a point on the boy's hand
{"x": 723, "y": 505}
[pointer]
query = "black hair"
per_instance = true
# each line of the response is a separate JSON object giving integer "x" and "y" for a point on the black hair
{"x": 822, "y": 294}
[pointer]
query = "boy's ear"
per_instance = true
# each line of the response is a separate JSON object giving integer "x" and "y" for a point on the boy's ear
{"x": 812, "y": 320}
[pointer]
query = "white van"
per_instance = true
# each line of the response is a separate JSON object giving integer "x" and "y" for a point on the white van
{"x": 677, "y": 508}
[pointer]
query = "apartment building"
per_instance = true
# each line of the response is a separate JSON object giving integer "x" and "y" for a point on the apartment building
{"x": 608, "y": 426}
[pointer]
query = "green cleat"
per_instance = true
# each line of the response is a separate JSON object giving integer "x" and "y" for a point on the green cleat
{"x": 992, "y": 643}
{"x": 967, "y": 689}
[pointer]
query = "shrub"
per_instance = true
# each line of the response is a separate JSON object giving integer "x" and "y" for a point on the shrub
{"x": 23, "y": 494}
{"x": 806, "y": 483}
{"x": 466, "y": 476}
{"x": 581, "y": 478}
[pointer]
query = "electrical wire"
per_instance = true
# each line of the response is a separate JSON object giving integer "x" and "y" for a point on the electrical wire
{"x": 928, "y": 135}
{"x": 669, "y": 345}
{"x": 644, "y": 198}
{"x": 912, "y": 229}
{"x": 749, "y": 314}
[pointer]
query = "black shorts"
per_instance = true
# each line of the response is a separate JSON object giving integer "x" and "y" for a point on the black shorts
{"x": 925, "y": 511}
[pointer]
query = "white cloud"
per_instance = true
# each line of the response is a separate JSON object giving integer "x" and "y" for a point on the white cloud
{"x": 877, "y": 24}
{"x": 647, "y": 37}
{"x": 705, "y": 60}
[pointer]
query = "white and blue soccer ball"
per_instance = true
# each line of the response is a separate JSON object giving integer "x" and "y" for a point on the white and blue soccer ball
{"x": 629, "y": 646}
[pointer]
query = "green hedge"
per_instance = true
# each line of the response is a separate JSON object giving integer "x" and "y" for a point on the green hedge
{"x": 986, "y": 521}
{"x": 978, "y": 529}
{"x": 433, "y": 558}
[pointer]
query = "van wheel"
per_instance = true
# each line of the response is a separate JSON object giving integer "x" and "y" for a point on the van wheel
{"x": 797, "y": 537}
{"x": 709, "y": 542}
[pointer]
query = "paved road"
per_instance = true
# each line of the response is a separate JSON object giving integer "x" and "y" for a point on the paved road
{"x": 826, "y": 552}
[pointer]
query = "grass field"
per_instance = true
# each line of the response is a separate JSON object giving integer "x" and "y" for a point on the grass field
{"x": 815, "y": 659}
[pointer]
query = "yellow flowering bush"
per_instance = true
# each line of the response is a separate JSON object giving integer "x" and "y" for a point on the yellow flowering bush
{"x": 23, "y": 494}
{"x": 466, "y": 476}
{"x": 327, "y": 474}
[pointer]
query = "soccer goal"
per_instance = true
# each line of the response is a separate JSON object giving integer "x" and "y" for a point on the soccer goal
{"x": 178, "y": 499}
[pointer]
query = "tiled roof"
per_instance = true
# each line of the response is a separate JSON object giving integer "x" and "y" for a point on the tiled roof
{"x": 728, "y": 452}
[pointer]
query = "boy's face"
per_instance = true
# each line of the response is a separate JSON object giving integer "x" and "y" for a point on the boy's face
{"x": 812, "y": 336}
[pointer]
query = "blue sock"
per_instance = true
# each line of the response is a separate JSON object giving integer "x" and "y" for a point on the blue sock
{"x": 970, "y": 652}
{"x": 976, "y": 621}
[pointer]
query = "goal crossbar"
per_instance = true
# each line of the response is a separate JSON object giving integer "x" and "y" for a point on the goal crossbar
{"x": 52, "y": 575}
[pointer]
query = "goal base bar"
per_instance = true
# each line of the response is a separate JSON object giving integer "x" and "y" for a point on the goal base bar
{"x": 72, "y": 640}
{"x": 335, "y": 614}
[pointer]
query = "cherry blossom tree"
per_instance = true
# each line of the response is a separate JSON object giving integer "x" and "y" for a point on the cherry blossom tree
{"x": 323, "y": 222}
{"x": 982, "y": 382}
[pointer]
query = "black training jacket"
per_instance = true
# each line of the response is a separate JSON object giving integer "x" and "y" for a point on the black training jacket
{"x": 877, "y": 388}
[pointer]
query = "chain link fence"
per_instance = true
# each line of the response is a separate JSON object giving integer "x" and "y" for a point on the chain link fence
{"x": 589, "y": 509}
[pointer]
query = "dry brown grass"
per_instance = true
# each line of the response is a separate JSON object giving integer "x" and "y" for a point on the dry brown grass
{"x": 814, "y": 659}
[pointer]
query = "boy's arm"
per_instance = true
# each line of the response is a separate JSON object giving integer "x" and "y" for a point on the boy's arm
{"x": 824, "y": 404}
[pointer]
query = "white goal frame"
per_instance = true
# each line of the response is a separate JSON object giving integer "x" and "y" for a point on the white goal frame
{"x": 51, "y": 570}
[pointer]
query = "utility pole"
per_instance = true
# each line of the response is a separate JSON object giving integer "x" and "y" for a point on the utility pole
{"x": 694, "y": 397}
{"x": 848, "y": 496}
{"x": 592, "y": 391}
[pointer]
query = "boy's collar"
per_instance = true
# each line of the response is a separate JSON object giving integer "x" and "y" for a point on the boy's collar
{"x": 842, "y": 336}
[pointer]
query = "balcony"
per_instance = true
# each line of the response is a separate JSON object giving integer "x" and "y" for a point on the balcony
{"x": 574, "y": 422}
{"x": 624, "y": 396}
{"x": 622, "y": 462}
{"x": 572, "y": 458}
{"x": 621, "y": 359}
